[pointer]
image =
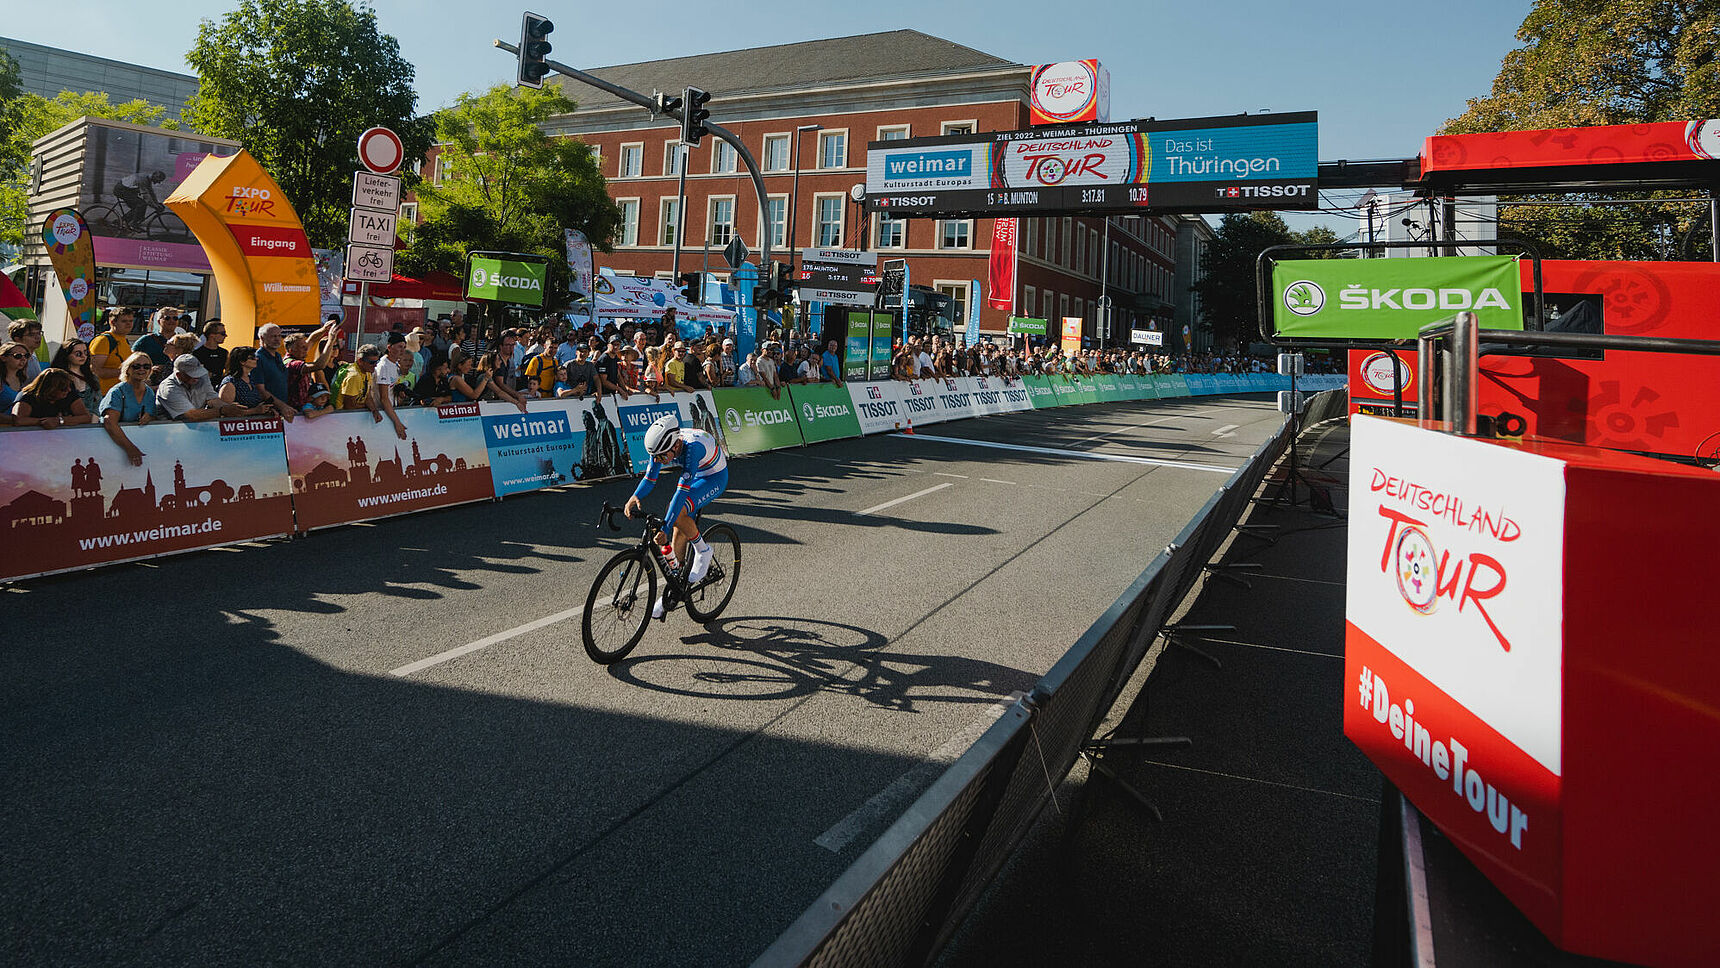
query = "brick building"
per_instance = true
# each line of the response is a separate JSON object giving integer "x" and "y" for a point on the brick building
{"x": 807, "y": 111}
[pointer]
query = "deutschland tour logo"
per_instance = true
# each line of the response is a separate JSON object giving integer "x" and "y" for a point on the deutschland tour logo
{"x": 1417, "y": 575}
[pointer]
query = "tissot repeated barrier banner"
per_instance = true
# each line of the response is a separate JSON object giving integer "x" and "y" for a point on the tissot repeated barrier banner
{"x": 70, "y": 498}
{"x": 1392, "y": 298}
{"x": 255, "y": 243}
{"x": 1192, "y": 164}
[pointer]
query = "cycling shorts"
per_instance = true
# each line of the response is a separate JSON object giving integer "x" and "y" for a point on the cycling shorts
{"x": 693, "y": 493}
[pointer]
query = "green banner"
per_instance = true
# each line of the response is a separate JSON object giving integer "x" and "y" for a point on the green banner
{"x": 753, "y": 422}
{"x": 1025, "y": 326}
{"x": 826, "y": 412}
{"x": 506, "y": 280}
{"x": 1107, "y": 389}
{"x": 1039, "y": 392}
{"x": 1170, "y": 385}
{"x": 881, "y": 345}
{"x": 1068, "y": 391}
{"x": 857, "y": 347}
{"x": 1392, "y": 298}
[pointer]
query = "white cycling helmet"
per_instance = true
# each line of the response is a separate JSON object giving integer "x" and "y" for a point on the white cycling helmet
{"x": 660, "y": 436}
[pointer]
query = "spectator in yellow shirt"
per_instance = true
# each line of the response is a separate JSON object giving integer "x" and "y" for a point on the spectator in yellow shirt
{"x": 108, "y": 350}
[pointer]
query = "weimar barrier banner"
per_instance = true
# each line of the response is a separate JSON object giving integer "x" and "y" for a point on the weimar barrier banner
{"x": 639, "y": 410}
{"x": 70, "y": 498}
{"x": 541, "y": 447}
{"x": 348, "y": 467}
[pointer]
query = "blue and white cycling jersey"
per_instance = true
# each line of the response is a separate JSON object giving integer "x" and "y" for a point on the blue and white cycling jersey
{"x": 705, "y": 475}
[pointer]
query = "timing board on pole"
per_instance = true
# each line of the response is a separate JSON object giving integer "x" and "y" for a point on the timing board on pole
{"x": 841, "y": 277}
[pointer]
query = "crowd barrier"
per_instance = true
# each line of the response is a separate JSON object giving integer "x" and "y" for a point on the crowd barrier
{"x": 900, "y": 901}
{"x": 70, "y": 498}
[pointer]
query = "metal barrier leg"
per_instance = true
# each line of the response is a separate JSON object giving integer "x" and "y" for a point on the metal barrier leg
{"x": 1172, "y": 631}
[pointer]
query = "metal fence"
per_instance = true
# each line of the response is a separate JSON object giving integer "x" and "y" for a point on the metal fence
{"x": 901, "y": 900}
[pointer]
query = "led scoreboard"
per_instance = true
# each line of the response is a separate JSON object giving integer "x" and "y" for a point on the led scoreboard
{"x": 1191, "y": 165}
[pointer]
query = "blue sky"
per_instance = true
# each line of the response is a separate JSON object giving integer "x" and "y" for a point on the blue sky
{"x": 1382, "y": 75}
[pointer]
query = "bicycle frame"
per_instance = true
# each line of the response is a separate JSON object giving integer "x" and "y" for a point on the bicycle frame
{"x": 677, "y": 586}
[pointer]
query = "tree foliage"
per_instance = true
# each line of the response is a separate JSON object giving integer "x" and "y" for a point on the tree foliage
{"x": 1597, "y": 62}
{"x": 29, "y": 117}
{"x": 1229, "y": 305}
{"x": 296, "y": 82}
{"x": 504, "y": 185}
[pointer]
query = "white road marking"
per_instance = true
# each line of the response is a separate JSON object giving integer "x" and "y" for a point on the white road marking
{"x": 887, "y": 802}
{"x": 942, "y": 474}
{"x": 485, "y": 643}
{"x": 1228, "y": 430}
{"x": 891, "y": 504}
{"x": 1083, "y": 454}
{"x": 993, "y": 480}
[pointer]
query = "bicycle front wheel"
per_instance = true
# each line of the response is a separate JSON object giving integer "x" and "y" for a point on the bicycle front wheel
{"x": 618, "y": 607}
{"x": 707, "y": 600}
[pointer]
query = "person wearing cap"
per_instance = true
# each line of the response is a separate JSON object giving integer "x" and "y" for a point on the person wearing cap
{"x": 355, "y": 387}
{"x": 186, "y": 393}
{"x": 675, "y": 370}
{"x": 769, "y": 376}
{"x": 728, "y": 364}
{"x": 390, "y": 371}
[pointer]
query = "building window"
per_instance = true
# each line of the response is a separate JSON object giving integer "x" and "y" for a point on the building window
{"x": 958, "y": 293}
{"x": 893, "y": 132}
{"x": 776, "y": 152}
{"x": 958, "y": 127}
{"x": 1068, "y": 234}
{"x": 833, "y": 149}
{"x": 408, "y": 218}
{"x": 671, "y": 157}
{"x": 722, "y": 157}
{"x": 1028, "y": 229}
{"x": 632, "y": 161}
{"x": 1095, "y": 252}
{"x": 827, "y": 221}
{"x": 778, "y": 218}
{"x": 892, "y": 232}
{"x": 1062, "y": 305}
{"x": 629, "y": 220}
{"x": 722, "y": 229}
{"x": 1080, "y": 263}
{"x": 955, "y": 233}
{"x": 670, "y": 209}
{"x": 1029, "y": 295}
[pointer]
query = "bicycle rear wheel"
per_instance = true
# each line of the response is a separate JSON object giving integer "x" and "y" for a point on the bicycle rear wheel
{"x": 618, "y": 607}
{"x": 707, "y": 600}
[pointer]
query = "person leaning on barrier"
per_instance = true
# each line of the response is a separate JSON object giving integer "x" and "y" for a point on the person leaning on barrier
{"x": 73, "y": 356}
{"x": 48, "y": 402}
{"x": 242, "y": 387}
{"x": 12, "y": 358}
{"x": 28, "y": 333}
{"x": 579, "y": 374}
{"x": 382, "y": 385}
{"x": 747, "y": 375}
{"x": 132, "y": 400}
{"x": 769, "y": 376}
{"x": 432, "y": 388}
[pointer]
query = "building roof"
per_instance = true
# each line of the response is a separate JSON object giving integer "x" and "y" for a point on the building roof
{"x": 806, "y": 64}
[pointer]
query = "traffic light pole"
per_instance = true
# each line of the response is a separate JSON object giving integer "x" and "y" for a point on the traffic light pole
{"x": 650, "y": 104}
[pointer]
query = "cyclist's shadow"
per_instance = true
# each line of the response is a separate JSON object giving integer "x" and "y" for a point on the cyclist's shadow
{"x": 771, "y": 657}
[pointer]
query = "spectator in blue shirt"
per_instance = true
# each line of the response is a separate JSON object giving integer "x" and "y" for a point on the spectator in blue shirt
{"x": 832, "y": 364}
{"x": 131, "y": 400}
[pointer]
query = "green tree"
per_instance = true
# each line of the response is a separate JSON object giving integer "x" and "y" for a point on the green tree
{"x": 504, "y": 185}
{"x": 30, "y": 116}
{"x": 296, "y": 82}
{"x": 1596, "y": 62}
{"x": 1229, "y": 305}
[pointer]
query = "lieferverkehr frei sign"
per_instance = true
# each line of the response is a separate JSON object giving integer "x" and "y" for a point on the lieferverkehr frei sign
{"x": 1392, "y": 298}
{"x": 505, "y": 280}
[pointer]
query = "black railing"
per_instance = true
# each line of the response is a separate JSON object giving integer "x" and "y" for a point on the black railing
{"x": 900, "y": 900}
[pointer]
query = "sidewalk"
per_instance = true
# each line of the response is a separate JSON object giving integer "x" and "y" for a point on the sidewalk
{"x": 1266, "y": 851}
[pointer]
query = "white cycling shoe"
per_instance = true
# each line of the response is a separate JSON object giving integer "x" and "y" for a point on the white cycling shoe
{"x": 701, "y": 566}
{"x": 657, "y": 609}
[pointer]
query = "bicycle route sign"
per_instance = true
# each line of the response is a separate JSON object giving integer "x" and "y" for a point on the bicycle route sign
{"x": 369, "y": 263}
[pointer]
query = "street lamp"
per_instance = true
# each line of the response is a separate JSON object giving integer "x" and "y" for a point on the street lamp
{"x": 794, "y": 196}
{"x": 858, "y": 194}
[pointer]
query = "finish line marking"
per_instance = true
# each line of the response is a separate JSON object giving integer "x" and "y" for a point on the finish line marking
{"x": 891, "y": 504}
{"x": 886, "y": 803}
{"x": 1183, "y": 465}
{"x": 485, "y": 643}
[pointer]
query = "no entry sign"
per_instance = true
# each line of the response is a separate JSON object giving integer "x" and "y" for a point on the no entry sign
{"x": 380, "y": 150}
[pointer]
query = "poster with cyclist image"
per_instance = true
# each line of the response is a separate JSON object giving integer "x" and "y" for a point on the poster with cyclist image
{"x": 638, "y": 411}
{"x": 128, "y": 174}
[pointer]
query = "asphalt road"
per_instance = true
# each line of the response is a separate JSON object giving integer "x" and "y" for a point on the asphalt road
{"x": 246, "y": 756}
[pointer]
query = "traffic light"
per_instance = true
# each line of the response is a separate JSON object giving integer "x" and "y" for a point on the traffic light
{"x": 693, "y": 287}
{"x": 534, "y": 47}
{"x": 781, "y": 284}
{"x": 693, "y": 121}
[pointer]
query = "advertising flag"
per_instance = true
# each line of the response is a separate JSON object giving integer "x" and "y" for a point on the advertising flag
{"x": 1001, "y": 269}
{"x": 255, "y": 242}
{"x": 855, "y": 351}
{"x": 579, "y": 267}
{"x": 72, "y": 251}
{"x": 1392, "y": 298}
{"x": 1071, "y": 334}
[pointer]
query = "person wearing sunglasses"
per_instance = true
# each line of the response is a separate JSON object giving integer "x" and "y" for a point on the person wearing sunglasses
{"x": 704, "y": 476}
{"x": 13, "y": 358}
{"x": 132, "y": 401}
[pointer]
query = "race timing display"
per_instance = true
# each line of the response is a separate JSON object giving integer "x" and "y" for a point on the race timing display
{"x": 1193, "y": 164}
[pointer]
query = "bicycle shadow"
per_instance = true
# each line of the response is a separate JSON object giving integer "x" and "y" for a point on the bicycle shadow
{"x": 774, "y": 657}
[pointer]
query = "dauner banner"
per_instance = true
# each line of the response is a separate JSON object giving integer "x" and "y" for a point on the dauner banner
{"x": 1392, "y": 298}
{"x": 71, "y": 499}
{"x": 255, "y": 243}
